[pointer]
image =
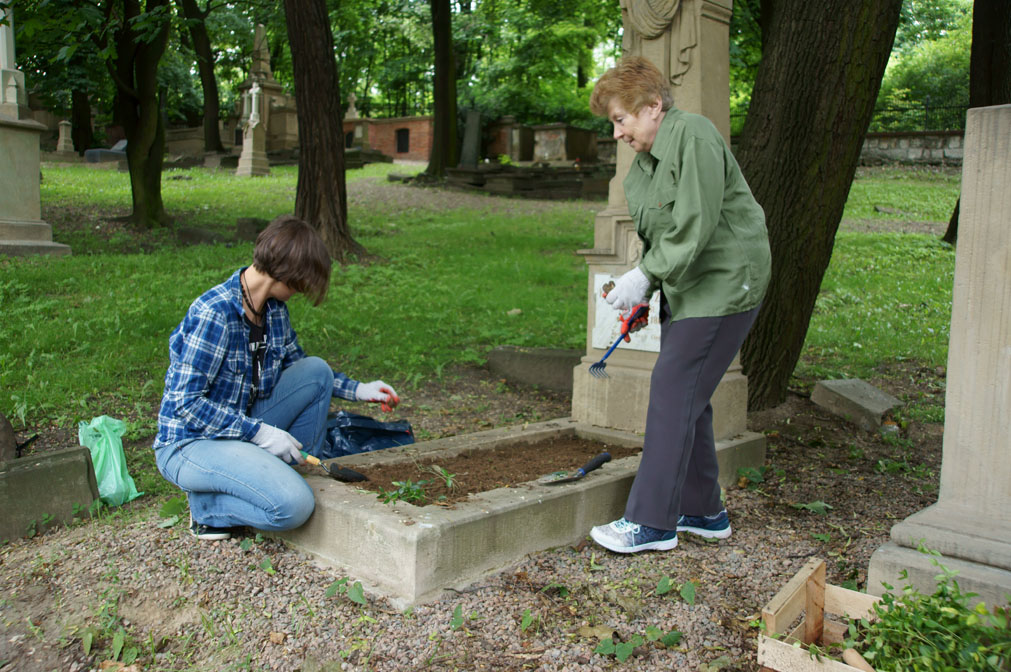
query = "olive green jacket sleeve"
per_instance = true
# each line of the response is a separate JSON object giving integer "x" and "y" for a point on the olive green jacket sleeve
{"x": 705, "y": 244}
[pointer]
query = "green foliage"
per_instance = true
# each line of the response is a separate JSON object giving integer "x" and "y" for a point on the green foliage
{"x": 940, "y": 631}
{"x": 406, "y": 491}
{"x": 819, "y": 507}
{"x": 930, "y": 70}
{"x": 354, "y": 591}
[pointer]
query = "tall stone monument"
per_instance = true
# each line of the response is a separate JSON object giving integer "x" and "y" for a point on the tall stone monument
{"x": 278, "y": 116}
{"x": 253, "y": 160}
{"x": 688, "y": 40}
{"x": 970, "y": 525}
{"x": 22, "y": 230}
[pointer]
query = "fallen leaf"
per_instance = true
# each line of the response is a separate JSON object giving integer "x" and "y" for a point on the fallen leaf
{"x": 598, "y": 631}
{"x": 277, "y": 637}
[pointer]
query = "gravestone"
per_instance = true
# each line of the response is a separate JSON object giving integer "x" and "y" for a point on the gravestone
{"x": 471, "y": 149}
{"x": 65, "y": 145}
{"x": 22, "y": 230}
{"x": 253, "y": 160}
{"x": 970, "y": 525}
{"x": 352, "y": 112}
{"x": 689, "y": 43}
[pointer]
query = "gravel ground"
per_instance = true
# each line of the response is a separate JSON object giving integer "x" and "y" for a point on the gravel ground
{"x": 253, "y": 603}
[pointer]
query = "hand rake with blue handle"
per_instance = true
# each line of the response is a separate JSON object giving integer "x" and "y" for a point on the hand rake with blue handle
{"x": 639, "y": 313}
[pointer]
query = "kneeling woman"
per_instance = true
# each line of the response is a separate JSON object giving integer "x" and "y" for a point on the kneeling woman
{"x": 242, "y": 399}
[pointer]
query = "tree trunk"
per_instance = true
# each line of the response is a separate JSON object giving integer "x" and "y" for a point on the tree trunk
{"x": 321, "y": 195}
{"x": 81, "y": 132}
{"x": 196, "y": 22}
{"x": 136, "y": 75}
{"x": 445, "y": 152}
{"x": 989, "y": 68}
{"x": 800, "y": 152}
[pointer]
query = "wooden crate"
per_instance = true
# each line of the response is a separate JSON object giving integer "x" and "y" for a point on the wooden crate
{"x": 825, "y": 608}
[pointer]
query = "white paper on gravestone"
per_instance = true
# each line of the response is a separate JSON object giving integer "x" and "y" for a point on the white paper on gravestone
{"x": 607, "y": 327}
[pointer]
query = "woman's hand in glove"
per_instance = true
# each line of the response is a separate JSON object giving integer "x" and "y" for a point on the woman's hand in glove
{"x": 278, "y": 443}
{"x": 379, "y": 392}
{"x": 630, "y": 290}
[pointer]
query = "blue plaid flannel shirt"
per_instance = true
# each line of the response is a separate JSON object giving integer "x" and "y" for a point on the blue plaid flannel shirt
{"x": 207, "y": 385}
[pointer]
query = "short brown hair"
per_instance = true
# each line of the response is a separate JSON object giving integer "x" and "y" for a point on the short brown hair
{"x": 292, "y": 252}
{"x": 635, "y": 82}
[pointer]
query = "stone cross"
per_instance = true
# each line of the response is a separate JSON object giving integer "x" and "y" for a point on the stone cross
{"x": 254, "y": 104}
{"x": 352, "y": 113}
{"x": 261, "y": 53}
{"x": 13, "y": 96}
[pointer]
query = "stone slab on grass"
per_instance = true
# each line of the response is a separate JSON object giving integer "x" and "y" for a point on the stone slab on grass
{"x": 47, "y": 485}
{"x": 550, "y": 368}
{"x": 855, "y": 400}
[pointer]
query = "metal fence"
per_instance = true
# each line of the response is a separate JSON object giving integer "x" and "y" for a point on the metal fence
{"x": 925, "y": 117}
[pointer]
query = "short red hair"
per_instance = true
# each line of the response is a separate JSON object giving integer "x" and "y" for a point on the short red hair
{"x": 635, "y": 82}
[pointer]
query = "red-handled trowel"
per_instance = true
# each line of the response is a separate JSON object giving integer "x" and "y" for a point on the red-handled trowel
{"x": 565, "y": 477}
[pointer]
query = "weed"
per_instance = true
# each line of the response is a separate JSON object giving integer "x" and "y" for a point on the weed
{"x": 448, "y": 479}
{"x": 530, "y": 619}
{"x": 406, "y": 491}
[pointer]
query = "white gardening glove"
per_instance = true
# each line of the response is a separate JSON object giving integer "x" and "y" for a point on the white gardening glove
{"x": 278, "y": 443}
{"x": 629, "y": 291}
{"x": 379, "y": 392}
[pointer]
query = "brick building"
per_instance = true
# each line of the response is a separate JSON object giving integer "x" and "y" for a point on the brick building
{"x": 401, "y": 137}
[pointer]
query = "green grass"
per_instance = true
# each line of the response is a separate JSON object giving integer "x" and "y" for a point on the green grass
{"x": 86, "y": 335}
{"x": 918, "y": 194}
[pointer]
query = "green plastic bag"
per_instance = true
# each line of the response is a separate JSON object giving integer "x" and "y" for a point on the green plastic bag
{"x": 102, "y": 437}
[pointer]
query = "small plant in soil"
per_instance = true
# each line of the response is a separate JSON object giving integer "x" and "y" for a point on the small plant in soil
{"x": 405, "y": 491}
{"x": 448, "y": 479}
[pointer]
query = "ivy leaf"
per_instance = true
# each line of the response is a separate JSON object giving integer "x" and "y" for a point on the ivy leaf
{"x": 671, "y": 639}
{"x": 606, "y": 647}
{"x": 688, "y": 592}
{"x": 267, "y": 566}
{"x": 653, "y": 633}
{"x": 356, "y": 593}
{"x": 664, "y": 586}
{"x": 117, "y": 643}
{"x": 457, "y": 620}
{"x": 336, "y": 587}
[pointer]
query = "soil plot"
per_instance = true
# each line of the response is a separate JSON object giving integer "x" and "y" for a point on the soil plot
{"x": 445, "y": 480}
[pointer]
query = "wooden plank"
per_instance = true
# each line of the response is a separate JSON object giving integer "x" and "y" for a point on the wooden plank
{"x": 784, "y": 657}
{"x": 790, "y": 600}
{"x": 814, "y": 607}
{"x": 849, "y": 603}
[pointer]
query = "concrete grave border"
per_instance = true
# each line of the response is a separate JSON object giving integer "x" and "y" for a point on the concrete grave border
{"x": 411, "y": 554}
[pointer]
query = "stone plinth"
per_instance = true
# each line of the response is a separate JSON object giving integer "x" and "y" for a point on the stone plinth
{"x": 59, "y": 484}
{"x": 971, "y": 522}
{"x": 855, "y": 400}
{"x": 22, "y": 230}
{"x": 65, "y": 145}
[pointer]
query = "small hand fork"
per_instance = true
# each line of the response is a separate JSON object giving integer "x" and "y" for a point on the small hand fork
{"x": 639, "y": 313}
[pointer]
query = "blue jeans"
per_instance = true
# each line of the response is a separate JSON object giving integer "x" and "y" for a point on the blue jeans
{"x": 232, "y": 483}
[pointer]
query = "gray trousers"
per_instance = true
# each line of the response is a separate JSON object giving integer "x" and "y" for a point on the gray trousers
{"x": 678, "y": 470}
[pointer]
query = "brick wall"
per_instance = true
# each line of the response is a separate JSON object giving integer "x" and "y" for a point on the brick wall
{"x": 382, "y": 134}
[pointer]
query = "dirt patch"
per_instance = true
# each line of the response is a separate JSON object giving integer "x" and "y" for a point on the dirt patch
{"x": 447, "y": 480}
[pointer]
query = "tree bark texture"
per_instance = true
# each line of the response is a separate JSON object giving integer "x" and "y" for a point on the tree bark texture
{"x": 136, "y": 74}
{"x": 445, "y": 147}
{"x": 196, "y": 23}
{"x": 321, "y": 194}
{"x": 989, "y": 68}
{"x": 814, "y": 95}
{"x": 81, "y": 132}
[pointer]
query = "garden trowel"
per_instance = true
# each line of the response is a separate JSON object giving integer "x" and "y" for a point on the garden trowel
{"x": 565, "y": 477}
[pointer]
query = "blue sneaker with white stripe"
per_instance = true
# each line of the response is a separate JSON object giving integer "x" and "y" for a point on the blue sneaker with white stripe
{"x": 711, "y": 527}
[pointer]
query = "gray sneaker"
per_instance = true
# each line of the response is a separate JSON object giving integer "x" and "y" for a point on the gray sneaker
{"x": 623, "y": 536}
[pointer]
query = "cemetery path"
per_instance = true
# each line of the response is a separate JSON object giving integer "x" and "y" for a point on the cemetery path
{"x": 829, "y": 490}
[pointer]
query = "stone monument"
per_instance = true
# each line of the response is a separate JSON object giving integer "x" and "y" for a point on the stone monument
{"x": 65, "y": 144}
{"x": 22, "y": 230}
{"x": 253, "y": 160}
{"x": 277, "y": 113}
{"x": 970, "y": 525}
{"x": 688, "y": 40}
{"x": 352, "y": 112}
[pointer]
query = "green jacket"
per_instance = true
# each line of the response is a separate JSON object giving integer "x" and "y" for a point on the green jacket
{"x": 704, "y": 238}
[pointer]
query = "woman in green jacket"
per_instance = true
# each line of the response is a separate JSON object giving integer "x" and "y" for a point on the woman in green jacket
{"x": 706, "y": 248}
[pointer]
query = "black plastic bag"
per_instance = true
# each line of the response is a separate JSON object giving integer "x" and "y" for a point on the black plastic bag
{"x": 350, "y": 434}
